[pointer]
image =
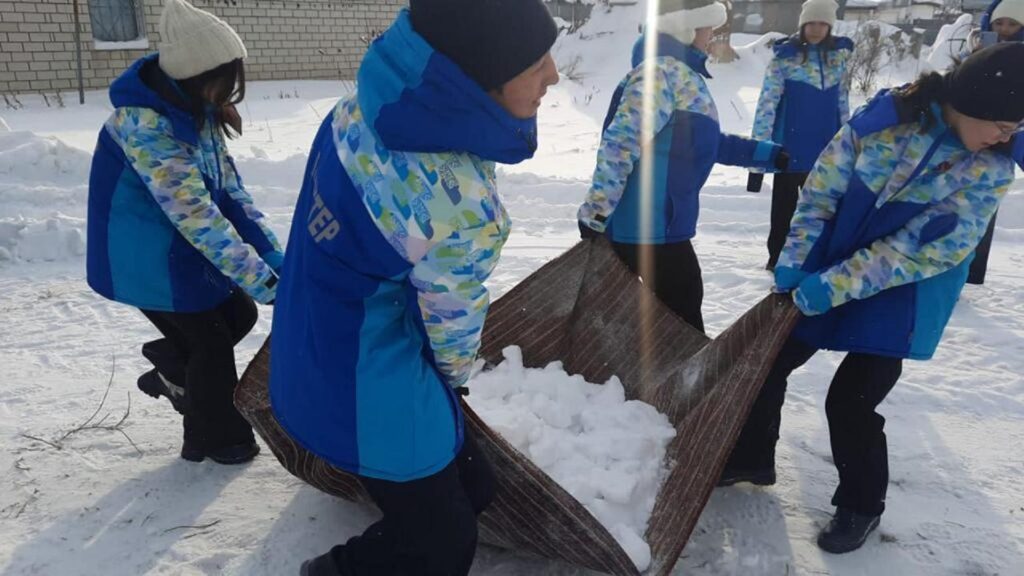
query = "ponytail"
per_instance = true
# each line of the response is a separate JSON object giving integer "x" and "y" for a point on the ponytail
{"x": 916, "y": 99}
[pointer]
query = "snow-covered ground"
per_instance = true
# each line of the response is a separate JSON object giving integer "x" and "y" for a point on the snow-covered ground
{"x": 101, "y": 504}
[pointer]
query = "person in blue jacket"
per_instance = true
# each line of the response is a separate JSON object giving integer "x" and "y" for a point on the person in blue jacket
{"x": 172, "y": 231}
{"x": 1002, "y": 22}
{"x": 1005, "y": 20}
{"x": 382, "y": 302}
{"x": 650, "y": 215}
{"x": 876, "y": 258}
{"x": 804, "y": 102}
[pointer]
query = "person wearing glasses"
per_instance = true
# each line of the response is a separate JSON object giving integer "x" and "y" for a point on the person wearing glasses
{"x": 1002, "y": 22}
{"x": 876, "y": 258}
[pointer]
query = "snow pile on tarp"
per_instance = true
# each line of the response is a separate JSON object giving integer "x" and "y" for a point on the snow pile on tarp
{"x": 607, "y": 452}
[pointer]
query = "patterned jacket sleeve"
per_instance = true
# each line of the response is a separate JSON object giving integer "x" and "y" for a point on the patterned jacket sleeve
{"x": 820, "y": 196}
{"x": 248, "y": 220}
{"x": 623, "y": 140}
{"x": 768, "y": 101}
{"x": 452, "y": 297}
{"x": 844, "y": 88}
{"x": 935, "y": 241}
{"x": 170, "y": 173}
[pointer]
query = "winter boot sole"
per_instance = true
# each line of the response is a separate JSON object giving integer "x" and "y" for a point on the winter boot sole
{"x": 230, "y": 456}
{"x": 154, "y": 384}
{"x": 843, "y": 547}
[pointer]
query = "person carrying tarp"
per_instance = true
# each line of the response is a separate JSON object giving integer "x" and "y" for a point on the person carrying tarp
{"x": 651, "y": 217}
{"x": 1002, "y": 22}
{"x": 172, "y": 230}
{"x": 381, "y": 304}
{"x": 876, "y": 258}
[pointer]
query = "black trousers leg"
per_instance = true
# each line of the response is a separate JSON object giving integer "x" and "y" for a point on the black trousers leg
{"x": 429, "y": 526}
{"x": 205, "y": 343}
{"x": 755, "y": 448}
{"x": 785, "y": 191}
{"x": 674, "y": 277}
{"x": 979, "y": 266}
{"x": 857, "y": 430}
{"x": 169, "y": 354}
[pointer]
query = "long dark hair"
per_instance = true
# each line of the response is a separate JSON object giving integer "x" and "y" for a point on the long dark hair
{"x": 915, "y": 99}
{"x": 224, "y": 86}
{"x": 827, "y": 45}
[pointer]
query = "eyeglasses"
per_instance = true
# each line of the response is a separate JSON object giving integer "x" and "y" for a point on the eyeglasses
{"x": 1010, "y": 132}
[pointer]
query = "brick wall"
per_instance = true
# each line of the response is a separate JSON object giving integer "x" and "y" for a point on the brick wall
{"x": 321, "y": 39}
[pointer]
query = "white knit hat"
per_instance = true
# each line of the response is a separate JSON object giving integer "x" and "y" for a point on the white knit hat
{"x": 819, "y": 11}
{"x": 193, "y": 41}
{"x": 682, "y": 18}
{"x": 1012, "y": 9}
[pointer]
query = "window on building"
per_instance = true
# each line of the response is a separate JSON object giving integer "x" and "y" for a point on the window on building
{"x": 118, "y": 24}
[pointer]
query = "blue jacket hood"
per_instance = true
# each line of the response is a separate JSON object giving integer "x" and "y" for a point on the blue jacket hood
{"x": 129, "y": 90}
{"x": 668, "y": 45}
{"x": 790, "y": 46}
{"x": 417, "y": 100}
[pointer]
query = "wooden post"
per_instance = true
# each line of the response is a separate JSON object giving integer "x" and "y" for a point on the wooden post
{"x": 78, "y": 52}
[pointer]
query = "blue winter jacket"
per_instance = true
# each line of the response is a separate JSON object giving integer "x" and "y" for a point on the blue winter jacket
{"x": 804, "y": 102}
{"x": 687, "y": 143}
{"x": 885, "y": 230}
{"x": 170, "y": 226}
{"x": 382, "y": 301}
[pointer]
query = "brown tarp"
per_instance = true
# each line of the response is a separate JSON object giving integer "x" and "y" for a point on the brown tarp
{"x": 587, "y": 310}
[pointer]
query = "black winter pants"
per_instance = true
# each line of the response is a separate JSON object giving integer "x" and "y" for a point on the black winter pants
{"x": 785, "y": 191}
{"x": 674, "y": 277}
{"x": 979, "y": 266}
{"x": 855, "y": 428}
{"x": 198, "y": 353}
{"x": 429, "y": 526}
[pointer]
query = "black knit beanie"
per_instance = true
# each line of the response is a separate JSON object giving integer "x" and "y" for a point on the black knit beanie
{"x": 989, "y": 84}
{"x": 492, "y": 41}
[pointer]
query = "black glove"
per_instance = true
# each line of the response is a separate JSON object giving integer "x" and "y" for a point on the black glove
{"x": 754, "y": 181}
{"x": 586, "y": 232}
{"x": 782, "y": 161}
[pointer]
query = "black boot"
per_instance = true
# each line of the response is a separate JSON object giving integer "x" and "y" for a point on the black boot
{"x": 228, "y": 455}
{"x": 847, "y": 531}
{"x": 760, "y": 477}
{"x": 324, "y": 565}
{"x": 154, "y": 384}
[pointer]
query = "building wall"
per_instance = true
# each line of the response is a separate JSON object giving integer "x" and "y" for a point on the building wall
{"x": 889, "y": 14}
{"x": 760, "y": 16}
{"x": 320, "y": 39}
